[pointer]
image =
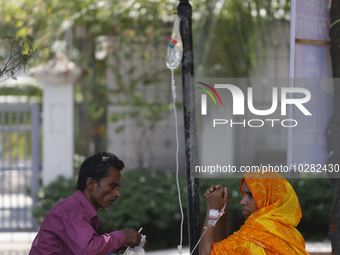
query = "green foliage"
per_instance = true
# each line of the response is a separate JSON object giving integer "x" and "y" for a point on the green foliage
{"x": 49, "y": 196}
{"x": 150, "y": 200}
{"x": 230, "y": 39}
{"x": 316, "y": 198}
{"x": 28, "y": 90}
{"x": 18, "y": 51}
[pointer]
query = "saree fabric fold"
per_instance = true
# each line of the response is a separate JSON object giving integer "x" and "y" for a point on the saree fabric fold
{"x": 271, "y": 229}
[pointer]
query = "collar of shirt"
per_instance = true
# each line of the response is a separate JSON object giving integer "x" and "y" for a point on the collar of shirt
{"x": 88, "y": 207}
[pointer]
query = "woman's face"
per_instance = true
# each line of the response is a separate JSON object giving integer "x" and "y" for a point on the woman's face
{"x": 248, "y": 201}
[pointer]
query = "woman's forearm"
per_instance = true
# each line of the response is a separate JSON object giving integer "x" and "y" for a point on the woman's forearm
{"x": 217, "y": 198}
{"x": 208, "y": 238}
{"x": 221, "y": 231}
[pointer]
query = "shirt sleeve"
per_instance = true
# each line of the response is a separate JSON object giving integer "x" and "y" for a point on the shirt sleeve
{"x": 81, "y": 238}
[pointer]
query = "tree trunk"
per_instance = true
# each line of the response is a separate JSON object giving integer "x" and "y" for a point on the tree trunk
{"x": 333, "y": 130}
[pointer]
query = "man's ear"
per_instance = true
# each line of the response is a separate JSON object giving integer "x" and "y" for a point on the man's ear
{"x": 90, "y": 183}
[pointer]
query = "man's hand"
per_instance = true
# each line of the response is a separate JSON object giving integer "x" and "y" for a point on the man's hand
{"x": 146, "y": 243}
{"x": 133, "y": 238}
{"x": 216, "y": 196}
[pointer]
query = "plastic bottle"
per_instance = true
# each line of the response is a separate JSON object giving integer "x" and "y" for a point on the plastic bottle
{"x": 175, "y": 47}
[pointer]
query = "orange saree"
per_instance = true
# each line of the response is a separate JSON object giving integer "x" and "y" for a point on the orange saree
{"x": 271, "y": 229}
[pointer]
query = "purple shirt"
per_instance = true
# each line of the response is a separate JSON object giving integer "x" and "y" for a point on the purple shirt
{"x": 70, "y": 228}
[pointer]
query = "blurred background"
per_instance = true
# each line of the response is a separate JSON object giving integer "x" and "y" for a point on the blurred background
{"x": 121, "y": 102}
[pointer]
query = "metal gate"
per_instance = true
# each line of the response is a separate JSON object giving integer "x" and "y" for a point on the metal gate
{"x": 19, "y": 166}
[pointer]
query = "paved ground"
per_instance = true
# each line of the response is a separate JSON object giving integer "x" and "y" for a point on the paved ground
{"x": 20, "y": 243}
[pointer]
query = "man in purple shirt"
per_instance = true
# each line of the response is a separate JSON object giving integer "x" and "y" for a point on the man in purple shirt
{"x": 70, "y": 227}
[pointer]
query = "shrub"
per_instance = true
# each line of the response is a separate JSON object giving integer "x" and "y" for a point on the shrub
{"x": 50, "y": 195}
{"x": 316, "y": 198}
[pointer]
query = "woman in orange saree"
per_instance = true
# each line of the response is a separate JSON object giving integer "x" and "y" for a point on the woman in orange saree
{"x": 272, "y": 211}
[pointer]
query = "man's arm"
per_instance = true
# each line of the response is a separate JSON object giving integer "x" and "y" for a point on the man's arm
{"x": 216, "y": 197}
{"x": 81, "y": 238}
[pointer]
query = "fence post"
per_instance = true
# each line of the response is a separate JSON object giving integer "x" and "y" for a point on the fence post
{"x": 35, "y": 124}
{"x": 58, "y": 77}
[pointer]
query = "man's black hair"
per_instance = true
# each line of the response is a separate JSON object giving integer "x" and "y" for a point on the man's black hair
{"x": 97, "y": 167}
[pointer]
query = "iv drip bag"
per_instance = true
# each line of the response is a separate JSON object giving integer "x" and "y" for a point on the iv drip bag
{"x": 175, "y": 47}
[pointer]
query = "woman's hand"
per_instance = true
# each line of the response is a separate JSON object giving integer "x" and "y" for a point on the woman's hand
{"x": 216, "y": 196}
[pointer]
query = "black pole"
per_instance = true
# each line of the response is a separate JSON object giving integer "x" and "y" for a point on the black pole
{"x": 185, "y": 12}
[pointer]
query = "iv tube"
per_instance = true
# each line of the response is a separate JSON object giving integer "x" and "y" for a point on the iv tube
{"x": 173, "y": 59}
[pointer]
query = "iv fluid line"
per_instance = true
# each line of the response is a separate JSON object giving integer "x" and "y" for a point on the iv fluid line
{"x": 172, "y": 79}
{"x": 173, "y": 59}
{"x": 173, "y": 89}
{"x": 177, "y": 149}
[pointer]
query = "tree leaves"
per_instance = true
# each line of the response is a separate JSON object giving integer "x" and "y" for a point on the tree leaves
{"x": 18, "y": 52}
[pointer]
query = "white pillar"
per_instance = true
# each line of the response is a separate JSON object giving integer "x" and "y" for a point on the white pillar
{"x": 57, "y": 77}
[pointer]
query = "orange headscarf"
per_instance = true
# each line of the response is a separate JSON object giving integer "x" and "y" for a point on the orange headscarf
{"x": 271, "y": 229}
